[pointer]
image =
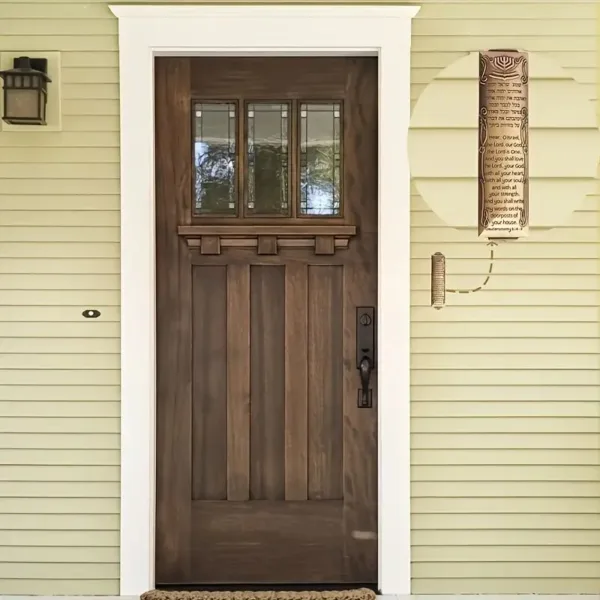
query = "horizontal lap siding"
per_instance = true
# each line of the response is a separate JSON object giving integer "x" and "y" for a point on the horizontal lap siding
{"x": 505, "y": 384}
{"x": 59, "y": 372}
{"x": 505, "y": 494}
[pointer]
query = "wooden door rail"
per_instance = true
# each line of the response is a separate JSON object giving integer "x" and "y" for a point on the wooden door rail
{"x": 267, "y": 239}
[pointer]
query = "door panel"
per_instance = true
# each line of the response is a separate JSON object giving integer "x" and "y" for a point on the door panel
{"x": 266, "y": 467}
{"x": 299, "y": 542}
{"x": 209, "y": 381}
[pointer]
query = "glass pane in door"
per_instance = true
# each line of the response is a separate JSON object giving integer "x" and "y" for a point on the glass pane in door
{"x": 267, "y": 187}
{"x": 320, "y": 159}
{"x": 214, "y": 158}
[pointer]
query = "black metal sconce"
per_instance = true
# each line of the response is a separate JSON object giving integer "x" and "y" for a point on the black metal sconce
{"x": 25, "y": 91}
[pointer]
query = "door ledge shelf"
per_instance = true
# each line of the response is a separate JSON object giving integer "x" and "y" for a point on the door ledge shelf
{"x": 267, "y": 239}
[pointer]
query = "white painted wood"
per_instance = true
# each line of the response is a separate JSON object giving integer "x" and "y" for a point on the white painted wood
{"x": 148, "y": 31}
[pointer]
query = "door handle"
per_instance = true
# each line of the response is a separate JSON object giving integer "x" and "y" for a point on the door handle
{"x": 365, "y": 353}
{"x": 366, "y": 367}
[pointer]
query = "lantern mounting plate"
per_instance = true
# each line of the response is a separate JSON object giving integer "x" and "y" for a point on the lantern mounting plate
{"x": 37, "y": 64}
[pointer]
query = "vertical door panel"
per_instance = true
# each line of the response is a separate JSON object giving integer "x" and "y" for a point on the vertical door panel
{"x": 174, "y": 324}
{"x": 325, "y": 372}
{"x": 238, "y": 382}
{"x": 360, "y": 436}
{"x": 209, "y": 380}
{"x": 296, "y": 382}
{"x": 267, "y": 368}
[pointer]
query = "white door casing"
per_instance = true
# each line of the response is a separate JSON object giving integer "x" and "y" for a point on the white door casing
{"x": 266, "y": 30}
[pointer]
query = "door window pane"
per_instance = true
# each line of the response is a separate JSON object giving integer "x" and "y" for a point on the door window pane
{"x": 320, "y": 159}
{"x": 214, "y": 158}
{"x": 268, "y": 158}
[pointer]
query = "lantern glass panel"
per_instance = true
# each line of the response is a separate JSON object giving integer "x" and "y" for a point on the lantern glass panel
{"x": 23, "y": 103}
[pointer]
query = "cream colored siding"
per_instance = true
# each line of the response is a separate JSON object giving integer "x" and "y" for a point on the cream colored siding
{"x": 59, "y": 372}
{"x": 505, "y": 383}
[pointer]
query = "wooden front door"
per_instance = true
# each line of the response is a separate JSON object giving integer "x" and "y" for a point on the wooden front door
{"x": 266, "y": 241}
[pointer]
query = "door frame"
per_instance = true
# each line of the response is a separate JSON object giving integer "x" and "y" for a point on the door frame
{"x": 146, "y": 31}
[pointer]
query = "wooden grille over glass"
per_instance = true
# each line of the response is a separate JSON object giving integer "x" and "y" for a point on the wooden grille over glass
{"x": 268, "y": 159}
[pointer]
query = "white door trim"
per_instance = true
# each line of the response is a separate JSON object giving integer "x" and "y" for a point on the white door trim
{"x": 148, "y": 31}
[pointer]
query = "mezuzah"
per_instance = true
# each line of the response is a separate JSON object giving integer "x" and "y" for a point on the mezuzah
{"x": 438, "y": 280}
{"x": 503, "y": 207}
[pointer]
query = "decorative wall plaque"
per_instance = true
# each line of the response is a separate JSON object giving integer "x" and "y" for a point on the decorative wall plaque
{"x": 503, "y": 144}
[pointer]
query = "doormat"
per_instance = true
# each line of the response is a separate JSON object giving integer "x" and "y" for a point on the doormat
{"x": 354, "y": 594}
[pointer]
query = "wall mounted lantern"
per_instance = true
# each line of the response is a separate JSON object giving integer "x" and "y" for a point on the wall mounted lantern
{"x": 25, "y": 91}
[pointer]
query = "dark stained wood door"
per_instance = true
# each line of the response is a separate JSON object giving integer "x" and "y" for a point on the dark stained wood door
{"x": 266, "y": 466}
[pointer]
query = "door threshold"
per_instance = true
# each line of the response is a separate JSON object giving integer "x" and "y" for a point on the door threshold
{"x": 295, "y": 587}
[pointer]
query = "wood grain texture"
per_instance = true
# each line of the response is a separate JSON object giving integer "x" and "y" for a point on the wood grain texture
{"x": 324, "y": 244}
{"x": 267, "y": 365}
{"x": 360, "y": 289}
{"x": 267, "y": 244}
{"x": 296, "y": 382}
{"x": 280, "y": 459}
{"x": 325, "y": 394}
{"x": 289, "y": 227}
{"x": 211, "y": 244}
{"x": 209, "y": 395}
{"x": 283, "y": 78}
{"x": 174, "y": 307}
{"x": 250, "y": 534}
{"x": 238, "y": 382}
